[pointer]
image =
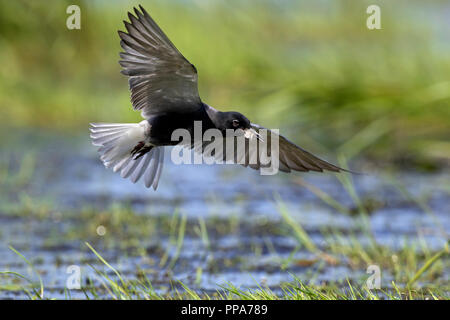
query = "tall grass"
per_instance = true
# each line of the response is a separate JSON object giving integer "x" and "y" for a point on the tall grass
{"x": 119, "y": 288}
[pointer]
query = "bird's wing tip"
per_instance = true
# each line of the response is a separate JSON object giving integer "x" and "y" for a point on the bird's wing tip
{"x": 352, "y": 172}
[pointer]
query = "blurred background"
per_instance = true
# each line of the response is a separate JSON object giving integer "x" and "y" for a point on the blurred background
{"x": 384, "y": 92}
{"x": 377, "y": 99}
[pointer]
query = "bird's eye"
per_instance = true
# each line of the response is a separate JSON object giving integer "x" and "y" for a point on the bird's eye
{"x": 235, "y": 123}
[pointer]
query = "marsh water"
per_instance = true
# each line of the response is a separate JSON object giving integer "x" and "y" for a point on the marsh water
{"x": 234, "y": 231}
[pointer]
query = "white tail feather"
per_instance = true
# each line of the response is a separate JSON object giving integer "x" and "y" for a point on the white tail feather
{"x": 117, "y": 141}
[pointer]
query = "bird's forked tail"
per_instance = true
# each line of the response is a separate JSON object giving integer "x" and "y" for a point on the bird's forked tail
{"x": 119, "y": 143}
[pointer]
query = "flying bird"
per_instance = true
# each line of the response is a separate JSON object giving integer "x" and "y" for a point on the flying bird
{"x": 164, "y": 88}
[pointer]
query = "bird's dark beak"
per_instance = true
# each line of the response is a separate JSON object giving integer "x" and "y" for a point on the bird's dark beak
{"x": 252, "y": 133}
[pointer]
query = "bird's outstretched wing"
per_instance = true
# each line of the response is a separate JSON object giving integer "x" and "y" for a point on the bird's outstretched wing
{"x": 260, "y": 154}
{"x": 292, "y": 157}
{"x": 160, "y": 78}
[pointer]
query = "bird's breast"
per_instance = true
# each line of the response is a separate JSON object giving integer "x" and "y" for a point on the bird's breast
{"x": 166, "y": 127}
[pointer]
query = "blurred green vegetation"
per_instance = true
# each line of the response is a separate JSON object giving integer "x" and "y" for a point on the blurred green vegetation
{"x": 310, "y": 67}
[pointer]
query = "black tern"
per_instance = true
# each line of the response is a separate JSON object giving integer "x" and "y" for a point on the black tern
{"x": 163, "y": 85}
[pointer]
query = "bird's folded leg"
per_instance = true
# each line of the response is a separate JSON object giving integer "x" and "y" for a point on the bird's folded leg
{"x": 137, "y": 147}
{"x": 142, "y": 151}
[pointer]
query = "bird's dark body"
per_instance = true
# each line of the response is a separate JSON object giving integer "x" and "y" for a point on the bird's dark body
{"x": 163, "y": 125}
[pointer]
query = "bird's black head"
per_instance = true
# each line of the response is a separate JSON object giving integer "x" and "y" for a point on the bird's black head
{"x": 232, "y": 120}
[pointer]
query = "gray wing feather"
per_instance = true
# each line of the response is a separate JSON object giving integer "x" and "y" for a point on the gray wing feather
{"x": 292, "y": 157}
{"x": 160, "y": 78}
{"x": 159, "y": 170}
{"x": 142, "y": 166}
{"x": 151, "y": 172}
{"x": 149, "y": 166}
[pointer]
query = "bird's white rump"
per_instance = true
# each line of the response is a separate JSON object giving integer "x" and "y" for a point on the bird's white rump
{"x": 117, "y": 141}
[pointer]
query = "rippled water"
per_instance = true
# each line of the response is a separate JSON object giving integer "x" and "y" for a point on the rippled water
{"x": 71, "y": 178}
